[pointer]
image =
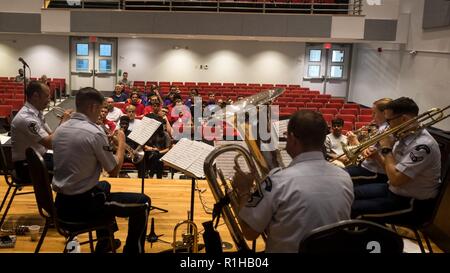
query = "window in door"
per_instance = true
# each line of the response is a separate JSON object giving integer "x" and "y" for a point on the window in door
{"x": 82, "y": 49}
{"x": 82, "y": 65}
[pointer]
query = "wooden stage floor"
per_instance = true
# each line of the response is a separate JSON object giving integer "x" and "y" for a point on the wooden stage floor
{"x": 173, "y": 195}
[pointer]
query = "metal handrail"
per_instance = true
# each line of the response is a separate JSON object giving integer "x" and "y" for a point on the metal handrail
{"x": 354, "y": 7}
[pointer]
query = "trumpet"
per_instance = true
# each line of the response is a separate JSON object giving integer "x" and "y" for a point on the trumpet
{"x": 422, "y": 121}
{"x": 190, "y": 239}
{"x": 134, "y": 155}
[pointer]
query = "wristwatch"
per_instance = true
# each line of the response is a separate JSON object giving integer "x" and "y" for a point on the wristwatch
{"x": 386, "y": 150}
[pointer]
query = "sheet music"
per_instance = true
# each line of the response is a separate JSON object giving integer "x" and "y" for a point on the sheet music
{"x": 144, "y": 131}
{"x": 4, "y": 139}
{"x": 285, "y": 157}
{"x": 280, "y": 128}
{"x": 188, "y": 156}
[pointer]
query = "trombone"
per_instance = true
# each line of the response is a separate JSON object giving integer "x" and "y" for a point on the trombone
{"x": 422, "y": 121}
{"x": 58, "y": 111}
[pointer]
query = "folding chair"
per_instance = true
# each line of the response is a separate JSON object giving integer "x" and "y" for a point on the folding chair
{"x": 47, "y": 209}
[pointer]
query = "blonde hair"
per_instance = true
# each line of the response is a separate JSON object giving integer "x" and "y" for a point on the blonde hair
{"x": 130, "y": 107}
{"x": 382, "y": 103}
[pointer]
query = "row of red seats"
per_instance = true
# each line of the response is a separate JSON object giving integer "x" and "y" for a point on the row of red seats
{"x": 213, "y": 84}
{"x": 9, "y": 83}
{"x": 15, "y": 103}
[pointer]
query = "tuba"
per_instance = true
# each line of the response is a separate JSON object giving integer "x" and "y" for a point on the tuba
{"x": 409, "y": 127}
{"x": 258, "y": 162}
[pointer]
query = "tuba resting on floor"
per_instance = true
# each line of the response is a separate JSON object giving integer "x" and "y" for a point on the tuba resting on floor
{"x": 259, "y": 163}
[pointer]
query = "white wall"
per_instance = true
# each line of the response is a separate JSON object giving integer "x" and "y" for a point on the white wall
{"x": 228, "y": 61}
{"x": 394, "y": 72}
{"x": 380, "y": 9}
{"x": 21, "y": 6}
{"x": 45, "y": 54}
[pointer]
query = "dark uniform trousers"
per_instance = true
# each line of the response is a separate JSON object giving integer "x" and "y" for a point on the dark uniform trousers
{"x": 99, "y": 204}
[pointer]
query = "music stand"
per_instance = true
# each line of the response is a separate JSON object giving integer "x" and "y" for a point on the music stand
{"x": 141, "y": 135}
{"x": 187, "y": 156}
{"x": 143, "y": 173}
{"x": 152, "y": 237}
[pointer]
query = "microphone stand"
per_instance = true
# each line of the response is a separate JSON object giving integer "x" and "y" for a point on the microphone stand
{"x": 24, "y": 82}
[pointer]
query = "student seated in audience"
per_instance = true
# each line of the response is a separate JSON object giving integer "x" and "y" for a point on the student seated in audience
{"x": 293, "y": 201}
{"x": 412, "y": 163}
{"x": 178, "y": 111}
{"x": 157, "y": 146}
{"x": 170, "y": 98}
{"x": 370, "y": 170}
{"x": 149, "y": 108}
{"x": 146, "y": 96}
{"x": 211, "y": 99}
{"x": 335, "y": 139}
{"x": 114, "y": 113}
{"x": 131, "y": 113}
{"x": 119, "y": 94}
{"x": 125, "y": 81}
{"x": 44, "y": 79}
{"x": 29, "y": 129}
{"x": 124, "y": 123}
{"x": 81, "y": 197}
{"x": 108, "y": 126}
{"x": 21, "y": 77}
{"x": 192, "y": 94}
{"x": 136, "y": 102}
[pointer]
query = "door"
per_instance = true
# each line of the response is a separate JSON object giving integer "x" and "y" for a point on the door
{"x": 93, "y": 63}
{"x": 327, "y": 69}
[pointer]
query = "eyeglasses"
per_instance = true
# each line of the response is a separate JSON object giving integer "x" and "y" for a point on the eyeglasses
{"x": 388, "y": 120}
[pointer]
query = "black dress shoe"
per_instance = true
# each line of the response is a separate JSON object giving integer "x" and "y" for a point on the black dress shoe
{"x": 104, "y": 246}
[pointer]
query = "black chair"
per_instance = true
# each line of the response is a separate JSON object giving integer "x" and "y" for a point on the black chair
{"x": 14, "y": 183}
{"x": 46, "y": 207}
{"x": 421, "y": 213}
{"x": 351, "y": 237}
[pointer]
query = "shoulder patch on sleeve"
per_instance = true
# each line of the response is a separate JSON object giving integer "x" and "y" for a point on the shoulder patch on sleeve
{"x": 254, "y": 199}
{"x": 419, "y": 153}
{"x": 33, "y": 127}
{"x": 108, "y": 148}
{"x": 267, "y": 184}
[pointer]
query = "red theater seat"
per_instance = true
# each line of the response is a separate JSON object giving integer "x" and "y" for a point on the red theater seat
{"x": 331, "y": 111}
{"x": 349, "y": 111}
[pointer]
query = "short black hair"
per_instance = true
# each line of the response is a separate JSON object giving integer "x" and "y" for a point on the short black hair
{"x": 34, "y": 87}
{"x": 87, "y": 96}
{"x": 403, "y": 106}
{"x": 124, "y": 119}
{"x": 309, "y": 127}
{"x": 337, "y": 121}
